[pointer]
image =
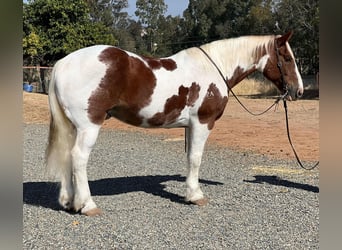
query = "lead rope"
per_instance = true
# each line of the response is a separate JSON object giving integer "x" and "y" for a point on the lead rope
{"x": 279, "y": 65}
{"x": 290, "y": 141}
{"x": 230, "y": 89}
{"x": 282, "y": 97}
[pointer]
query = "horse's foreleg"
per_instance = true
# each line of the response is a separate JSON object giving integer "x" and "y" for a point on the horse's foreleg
{"x": 85, "y": 141}
{"x": 196, "y": 138}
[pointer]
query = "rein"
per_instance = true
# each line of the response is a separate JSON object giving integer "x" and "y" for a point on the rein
{"x": 225, "y": 79}
{"x": 290, "y": 141}
{"x": 282, "y": 97}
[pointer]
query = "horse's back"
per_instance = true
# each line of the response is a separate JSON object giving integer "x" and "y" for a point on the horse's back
{"x": 93, "y": 80}
{"x": 82, "y": 63}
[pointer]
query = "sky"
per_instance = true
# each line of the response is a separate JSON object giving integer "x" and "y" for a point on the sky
{"x": 174, "y": 7}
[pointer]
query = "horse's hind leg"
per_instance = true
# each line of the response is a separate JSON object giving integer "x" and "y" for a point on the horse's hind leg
{"x": 196, "y": 138}
{"x": 85, "y": 141}
{"x": 66, "y": 192}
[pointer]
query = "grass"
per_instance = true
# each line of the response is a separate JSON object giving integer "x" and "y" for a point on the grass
{"x": 259, "y": 87}
{"x": 254, "y": 86}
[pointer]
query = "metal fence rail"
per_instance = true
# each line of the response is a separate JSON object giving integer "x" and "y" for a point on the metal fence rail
{"x": 38, "y": 77}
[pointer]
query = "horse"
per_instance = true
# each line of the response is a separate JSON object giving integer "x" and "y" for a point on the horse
{"x": 184, "y": 90}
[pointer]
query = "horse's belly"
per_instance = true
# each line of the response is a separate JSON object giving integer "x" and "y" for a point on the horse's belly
{"x": 129, "y": 115}
{"x": 125, "y": 114}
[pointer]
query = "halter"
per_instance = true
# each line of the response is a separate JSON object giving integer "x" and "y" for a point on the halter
{"x": 282, "y": 97}
{"x": 279, "y": 65}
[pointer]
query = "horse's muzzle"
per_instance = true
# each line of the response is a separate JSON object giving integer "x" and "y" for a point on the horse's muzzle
{"x": 300, "y": 93}
{"x": 294, "y": 94}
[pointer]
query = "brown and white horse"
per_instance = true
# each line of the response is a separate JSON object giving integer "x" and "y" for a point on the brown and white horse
{"x": 183, "y": 90}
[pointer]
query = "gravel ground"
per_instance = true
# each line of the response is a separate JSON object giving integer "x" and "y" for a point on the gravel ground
{"x": 139, "y": 181}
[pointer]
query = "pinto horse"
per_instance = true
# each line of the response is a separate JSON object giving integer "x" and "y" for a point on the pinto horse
{"x": 186, "y": 90}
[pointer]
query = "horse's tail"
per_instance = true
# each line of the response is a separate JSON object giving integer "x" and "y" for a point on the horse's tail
{"x": 61, "y": 134}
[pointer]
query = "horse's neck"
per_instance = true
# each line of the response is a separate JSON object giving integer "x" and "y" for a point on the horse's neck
{"x": 239, "y": 57}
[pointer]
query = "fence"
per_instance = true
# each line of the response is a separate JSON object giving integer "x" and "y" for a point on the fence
{"x": 311, "y": 81}
{"x": 38, "y": 77}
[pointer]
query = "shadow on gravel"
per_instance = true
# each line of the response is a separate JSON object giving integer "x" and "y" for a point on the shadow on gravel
{"x": 45, "y": 194}
{"x": 275, "y": 180}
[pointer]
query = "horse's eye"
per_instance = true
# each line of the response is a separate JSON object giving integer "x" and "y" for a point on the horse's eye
{"x": 287, "y": 58}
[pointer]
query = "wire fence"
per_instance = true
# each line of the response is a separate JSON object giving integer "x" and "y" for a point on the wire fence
{"x": 36, "y": 79}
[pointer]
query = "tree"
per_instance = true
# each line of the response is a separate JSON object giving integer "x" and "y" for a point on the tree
{"x": 108, "y": 12}
{"x": 32, "y": 47}
{"x": 54, "y": 28}
{"x": 170, "y": 35}
{"x": 111, "y": 13}
{"x": 208, "y": 20}
{"x": 303, "y": 18}
{"x": 198, "y": 19}
{"x": 262, "y": 18}
{"x": 150, "y": 12}
{"x": 101, "y": 11}
{"x": 129, "y": 37}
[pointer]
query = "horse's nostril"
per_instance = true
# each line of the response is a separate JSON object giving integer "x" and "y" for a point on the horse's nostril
{"x": 299, "y": 93}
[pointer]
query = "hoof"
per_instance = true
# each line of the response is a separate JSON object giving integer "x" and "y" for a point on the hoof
{"x": 66, "y": 204}
{"x": 201, "y": 202}
{"x": 93, "y": 212}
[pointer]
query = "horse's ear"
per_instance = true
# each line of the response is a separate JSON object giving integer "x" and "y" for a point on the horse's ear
{"x": 284, "y": 38}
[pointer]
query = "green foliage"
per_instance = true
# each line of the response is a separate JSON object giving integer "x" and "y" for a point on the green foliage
{"x": 262, "y": 19}
{"x": 303, "y": 18}
{"x": 170, "y": 37}
{"x": 54, "y": 28}
{"x": 150, "y": 13}
{"x": 32, "y": 46}
{"x": 108, "y": 12}
{"x": 207, "y": 20}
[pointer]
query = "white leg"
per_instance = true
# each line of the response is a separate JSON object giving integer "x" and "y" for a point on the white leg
{"x": 66, "y": 193}
{"x": 197, "y": 136}
{"x": 85, "y": 141}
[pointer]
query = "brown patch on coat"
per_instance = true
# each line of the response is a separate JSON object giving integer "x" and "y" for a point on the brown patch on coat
{"x": 125, "y": 89}
{"x": 154, "y": 63}
{"x": 271, "y": 70}
{"x": 259, "y": 52}
{"x": 212, "y": 107}
{"x": 175, "y": 104}
{"x": 238, "y": 75}
{"x": 193, "y": 94}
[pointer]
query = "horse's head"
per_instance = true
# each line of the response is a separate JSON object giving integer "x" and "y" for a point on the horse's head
{"x": 282, "y": 70}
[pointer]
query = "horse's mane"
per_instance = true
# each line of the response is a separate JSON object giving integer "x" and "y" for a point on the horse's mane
{"x": 243, "y": 47}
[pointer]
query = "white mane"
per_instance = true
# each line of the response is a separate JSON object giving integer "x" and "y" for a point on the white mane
{"x": 241, "y": 51}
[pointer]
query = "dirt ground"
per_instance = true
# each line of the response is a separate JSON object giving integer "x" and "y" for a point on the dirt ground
{"x": 236, "y": 129}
